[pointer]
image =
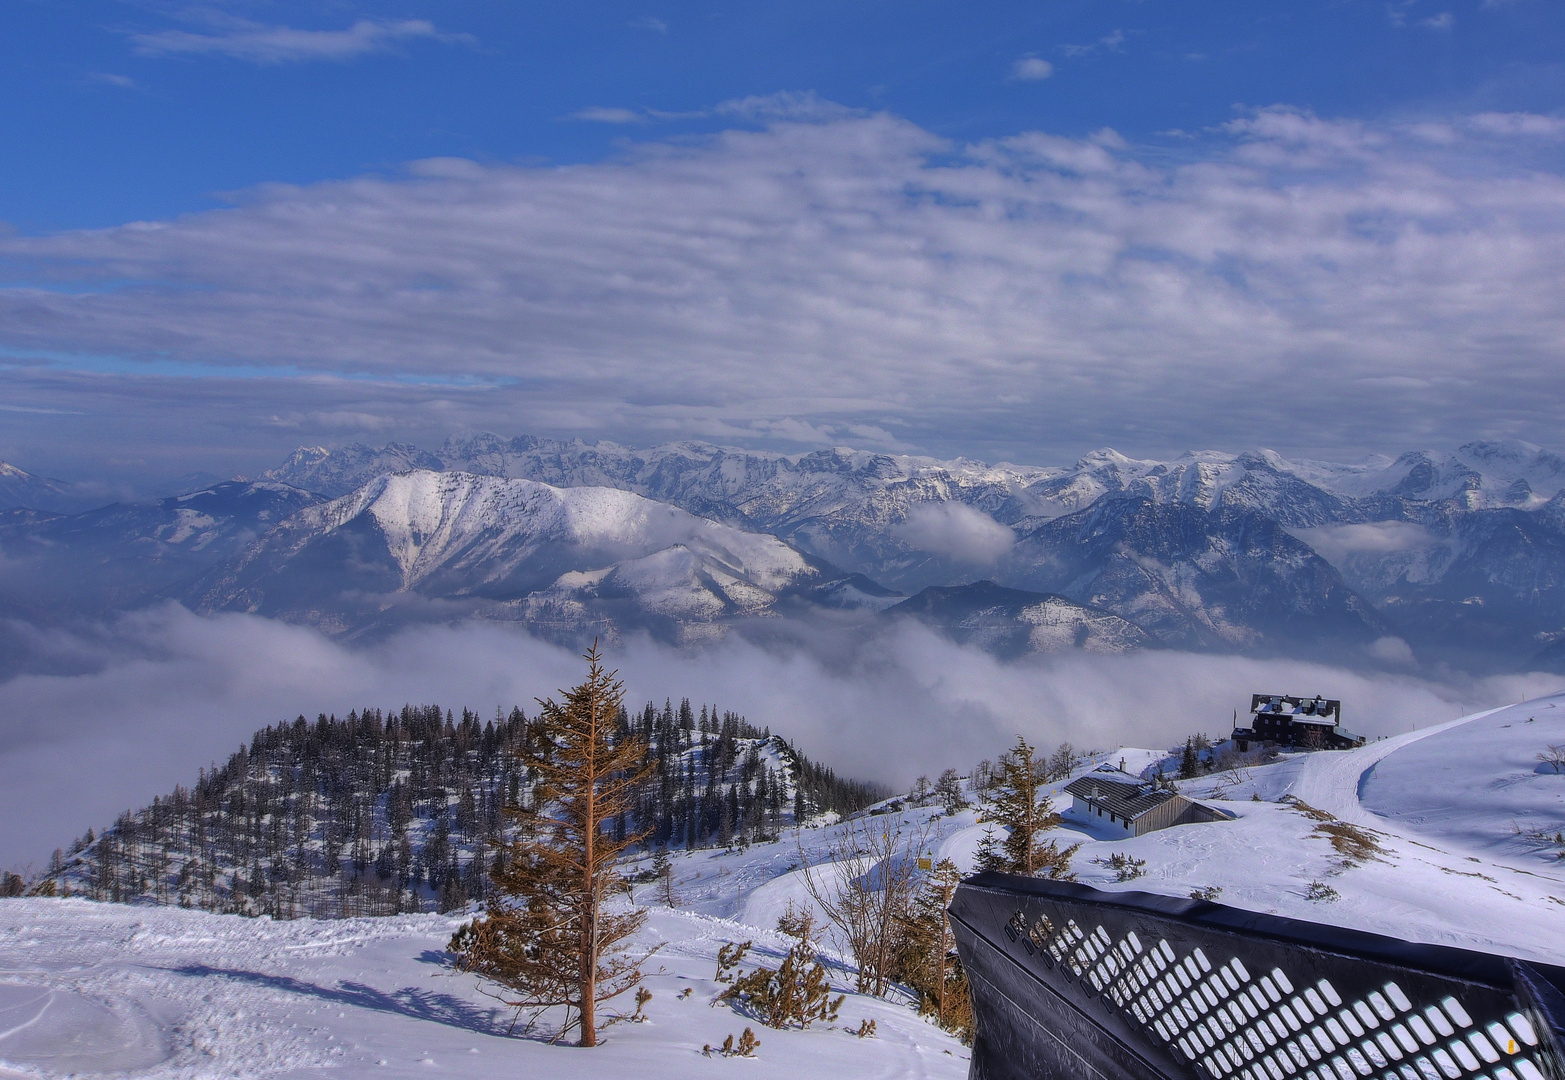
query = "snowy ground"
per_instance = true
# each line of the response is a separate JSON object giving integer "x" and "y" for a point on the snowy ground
{"x": 160, "y": 992}
{"x": 157, "y": 992}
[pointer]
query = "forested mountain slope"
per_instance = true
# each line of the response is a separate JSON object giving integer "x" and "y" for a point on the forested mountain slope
{"x": 386, "y": 812}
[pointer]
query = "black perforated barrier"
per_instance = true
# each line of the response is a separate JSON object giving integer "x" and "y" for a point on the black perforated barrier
{"x": 1072, "y": 982}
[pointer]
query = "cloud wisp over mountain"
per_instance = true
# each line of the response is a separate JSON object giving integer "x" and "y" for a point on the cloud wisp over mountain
{"x": 1324, "y": 287}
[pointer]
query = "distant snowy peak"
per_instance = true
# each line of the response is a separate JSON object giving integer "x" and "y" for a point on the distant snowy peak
{"x": 784, "y": 492}
{"x": 428, "y": 518}
{"x": 1012, "y": 622}
{"x": 20, "y": 488}
{"x": 1208, "y": 549}
{"x": 337, "y": 472}
{"x": 565, "y": 559}
{"x": 1477, "y": 475}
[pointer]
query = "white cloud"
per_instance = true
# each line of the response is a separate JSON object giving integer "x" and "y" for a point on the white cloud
{"x": 649, "y": 22}
{"x": 957, "y": 531}
{"x": 1025, "y": 298}
{"x": 1443, "y": 21}
{"x": 1392, "y": 650}
{"x": 1518, "y": 124}
{"x": 1336, "y": 543}
{"x": 785, "y": 105}
{"x": 143, "y": 703}
{"x": 601, "y": 115}
{"x": 1031, "y": 69}
{"x": 262, "y": 44}
{"x": 1110, "y": 42}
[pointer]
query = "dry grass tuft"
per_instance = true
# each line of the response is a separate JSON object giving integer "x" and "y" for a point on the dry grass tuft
{"x": 1354, "y": 844}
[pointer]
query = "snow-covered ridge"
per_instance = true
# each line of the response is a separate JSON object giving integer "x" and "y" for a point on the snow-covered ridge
{"x": 429, "y": 518}
{"x": 571, "y": 562}
{"x": 1446, "y": 557}
{"x": 1479, "y": 474}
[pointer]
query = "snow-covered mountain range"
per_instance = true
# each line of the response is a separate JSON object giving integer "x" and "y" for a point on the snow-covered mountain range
{"x": 21, "y": 488}
{"x": 1460, "y": 555}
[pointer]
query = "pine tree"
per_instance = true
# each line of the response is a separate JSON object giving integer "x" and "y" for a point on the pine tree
{"x": 546, "y": 937}
{"x": 798, "y": 992}
{"x": 990, "y": 855}
{"x": 1189, "y": 761}
{"x": 1026, "y": 811}
{"x": 930, "y": 965}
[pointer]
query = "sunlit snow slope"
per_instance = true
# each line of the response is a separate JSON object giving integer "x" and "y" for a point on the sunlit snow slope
{"x": 166, "y": 993}
{"x": 1442, "y": 805}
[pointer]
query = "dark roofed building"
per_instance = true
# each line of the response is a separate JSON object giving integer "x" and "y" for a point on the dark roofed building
{"x": 1298, "y": 723}
{"x": 1132, "y": 806}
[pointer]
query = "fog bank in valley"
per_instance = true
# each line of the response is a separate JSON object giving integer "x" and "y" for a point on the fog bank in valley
{"x": 104, "y": 717}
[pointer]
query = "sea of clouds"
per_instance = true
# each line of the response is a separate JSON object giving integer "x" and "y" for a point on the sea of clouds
{"x": 111, "y": 714}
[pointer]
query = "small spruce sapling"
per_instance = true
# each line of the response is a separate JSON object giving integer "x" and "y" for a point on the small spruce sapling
{"x": 1026, "y": 811}
{"x": 745, "y": 1047}
{"x": 1319, "y": 890}
{"x": 663, "y": 877}
{"x": 1125, "y": 867}
{"x": 990, "y": 856}
{"x": 798, "y": 992}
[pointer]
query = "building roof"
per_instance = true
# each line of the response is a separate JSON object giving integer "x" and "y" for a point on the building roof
{"x": 1126, "y": 797}
{"x": 1316, "y": 710}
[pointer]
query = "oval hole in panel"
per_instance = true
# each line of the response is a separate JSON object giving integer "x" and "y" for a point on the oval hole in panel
{"x": 1523, "y": 1028}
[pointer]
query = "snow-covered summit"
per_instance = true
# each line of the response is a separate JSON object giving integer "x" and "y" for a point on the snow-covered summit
{"x": 432, "y": 519}
{"x": 563, "y": 559}
{"x": 20, "y": 488}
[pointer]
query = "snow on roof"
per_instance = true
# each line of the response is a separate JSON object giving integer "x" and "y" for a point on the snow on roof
{"x": 1126, "y": 798}
{"x": 1300, "y": 709}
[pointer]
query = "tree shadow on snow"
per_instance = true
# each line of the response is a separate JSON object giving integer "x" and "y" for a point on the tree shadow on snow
{"x": 409, "y": 1001}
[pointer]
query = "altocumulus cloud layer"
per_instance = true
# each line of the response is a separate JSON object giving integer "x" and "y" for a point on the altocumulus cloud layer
{"x": 1289, "y": 280}
{"x": 145, "y": 701}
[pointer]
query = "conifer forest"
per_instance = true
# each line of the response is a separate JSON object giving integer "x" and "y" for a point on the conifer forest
{"x": 399, "y": 811}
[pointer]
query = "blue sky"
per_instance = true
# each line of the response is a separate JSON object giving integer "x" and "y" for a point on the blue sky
{"x": 145, "y": 110}
{"x": 952, "y": 227}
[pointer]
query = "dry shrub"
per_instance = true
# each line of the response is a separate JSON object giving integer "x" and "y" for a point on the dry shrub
{"x": 869, "y": 898}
